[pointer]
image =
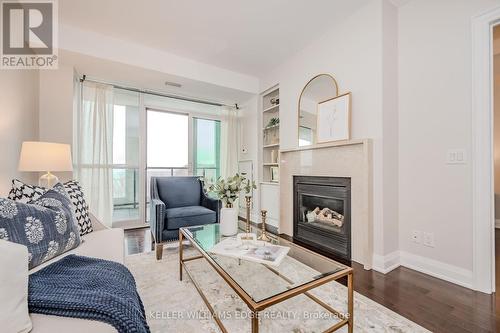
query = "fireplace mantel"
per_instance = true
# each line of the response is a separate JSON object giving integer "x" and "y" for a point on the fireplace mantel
{"x": 327, "y": 145}
{"x": 351, "y": 159}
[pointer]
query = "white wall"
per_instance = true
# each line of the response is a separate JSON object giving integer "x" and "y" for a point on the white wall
{"x": 56, "y": 105}
{"x": 434, "y": 116}
{"x": 56, "y": 108}
{"x": 390, "y": 129}
{"x": 18, "y": 122}
{"x": 247, "y": 151}
{"x": 496, "y": 133}
{"x": 352, "y": 52}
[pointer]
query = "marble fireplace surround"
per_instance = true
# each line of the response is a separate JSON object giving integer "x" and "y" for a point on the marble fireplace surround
{"x": 352, "y": 159}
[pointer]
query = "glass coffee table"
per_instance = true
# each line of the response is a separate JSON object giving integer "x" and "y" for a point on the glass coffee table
{"x": 299, "y": 272}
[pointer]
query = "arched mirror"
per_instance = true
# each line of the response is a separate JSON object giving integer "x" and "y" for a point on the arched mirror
{"x": 320, "y": 88}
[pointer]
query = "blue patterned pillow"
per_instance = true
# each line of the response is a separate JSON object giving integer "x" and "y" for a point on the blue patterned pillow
{"x": 46, "y": 226}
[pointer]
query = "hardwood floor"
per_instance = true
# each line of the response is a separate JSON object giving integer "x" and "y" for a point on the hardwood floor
{"x": 435, "y": 304}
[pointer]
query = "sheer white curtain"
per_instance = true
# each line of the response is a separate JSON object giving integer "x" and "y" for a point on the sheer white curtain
{"x": 229, "y": 142}
{"x": 94, "y": 148}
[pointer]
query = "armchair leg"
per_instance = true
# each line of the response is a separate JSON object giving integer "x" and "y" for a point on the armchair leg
{"x": 159, "y": 250}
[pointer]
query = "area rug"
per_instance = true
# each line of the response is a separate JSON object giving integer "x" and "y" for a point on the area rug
{"x": 175, "y": 306}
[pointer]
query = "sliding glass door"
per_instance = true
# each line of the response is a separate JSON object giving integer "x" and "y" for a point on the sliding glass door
{"x": 167, "y": 146}
{"x": 145, "y": 135}
{"x": 126, "y": 153}
{"x": 180, "y": 144}
{"x": 206, "y": 148}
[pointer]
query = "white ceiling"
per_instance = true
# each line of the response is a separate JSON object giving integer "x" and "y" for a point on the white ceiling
{"x": 136, "y": 77}
{"x": 247, "y": 36}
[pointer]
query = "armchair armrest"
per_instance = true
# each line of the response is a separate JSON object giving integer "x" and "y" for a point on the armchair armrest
{"x": 157, "y": 219}
{"x": 212, "y": 204}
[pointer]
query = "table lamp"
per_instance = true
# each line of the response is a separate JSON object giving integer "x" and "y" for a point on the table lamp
{"x": 45, "y": 156}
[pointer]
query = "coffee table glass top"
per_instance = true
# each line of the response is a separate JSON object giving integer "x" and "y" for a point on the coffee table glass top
{"x": 260, "y": 281}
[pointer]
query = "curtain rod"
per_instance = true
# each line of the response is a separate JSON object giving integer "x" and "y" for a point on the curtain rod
{"x": 156, "y": 93}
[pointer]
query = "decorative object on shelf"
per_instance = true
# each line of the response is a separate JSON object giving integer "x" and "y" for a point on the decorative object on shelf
{"x": 228, "y": 191}
{"x": 275, "y": 174}
{"x": 270, "y": 144}
{"x": 263, "y": 236}
{"x": 273, "y": 156}
{"x": 334, "y": 119}
{"x": 320, "y": 88}
{"x": 45, "y": 157}
{"x": 274, "y": 121}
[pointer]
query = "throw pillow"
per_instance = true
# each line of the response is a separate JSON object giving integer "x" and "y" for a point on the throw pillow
{"x": 23, "y": 192}
{"x": 46, "y": 225}
{"x": 14, "y": 288}
{"x": 80, "y": 207}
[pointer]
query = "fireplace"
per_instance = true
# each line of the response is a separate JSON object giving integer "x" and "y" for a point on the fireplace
{"x": 322, "y": 214}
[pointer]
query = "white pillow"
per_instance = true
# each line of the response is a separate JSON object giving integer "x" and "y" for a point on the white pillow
{"x": 14, "y": 316}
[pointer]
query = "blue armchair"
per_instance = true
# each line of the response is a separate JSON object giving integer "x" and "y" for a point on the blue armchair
{"x": 178, "y": 202}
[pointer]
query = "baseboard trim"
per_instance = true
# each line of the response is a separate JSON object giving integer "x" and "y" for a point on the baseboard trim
{"x": 437, "y": 269}
{"x": 387, "y": 263}
{"x": 497, "y": 223}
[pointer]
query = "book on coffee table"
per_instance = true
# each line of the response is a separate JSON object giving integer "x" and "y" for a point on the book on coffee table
{"x": 251, "y": 250}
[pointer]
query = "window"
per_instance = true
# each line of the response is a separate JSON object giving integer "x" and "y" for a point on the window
{"x": 168, "y": 140}
{"x": 144, "y": 138}
{"x": 125, "y": 166}
{"x": 206, "y": 150}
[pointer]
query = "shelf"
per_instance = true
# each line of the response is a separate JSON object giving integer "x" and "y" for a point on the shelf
{"x": 270, "y": 143}
{"x": 271, "y": 108}
{"x": 270, "y": 183}
{"x": 271, "y": 127}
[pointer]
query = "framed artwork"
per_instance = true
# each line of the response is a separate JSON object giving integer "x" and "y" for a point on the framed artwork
{"x": 334, "y": 119}
{"x": 275, "y": 174}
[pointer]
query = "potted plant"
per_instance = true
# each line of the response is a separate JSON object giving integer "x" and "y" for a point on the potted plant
{"x": 228, "y": 191}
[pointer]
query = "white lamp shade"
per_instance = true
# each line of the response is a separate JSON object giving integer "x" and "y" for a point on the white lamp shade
{"x": 45, "y": 156}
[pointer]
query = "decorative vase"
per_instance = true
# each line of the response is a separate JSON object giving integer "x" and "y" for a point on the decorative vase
{"x": 228, "y": 221}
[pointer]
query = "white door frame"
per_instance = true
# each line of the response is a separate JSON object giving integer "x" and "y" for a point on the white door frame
{"x": 482, "y": 151}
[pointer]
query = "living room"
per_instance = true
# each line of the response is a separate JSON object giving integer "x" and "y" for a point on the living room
{"x": 245, "y": 173}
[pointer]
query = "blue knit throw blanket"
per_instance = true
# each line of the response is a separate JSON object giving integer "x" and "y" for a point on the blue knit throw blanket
{"x": 88, "y": 288}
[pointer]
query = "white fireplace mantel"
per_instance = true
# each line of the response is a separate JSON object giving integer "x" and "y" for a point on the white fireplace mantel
{"x": 351, "y": 159}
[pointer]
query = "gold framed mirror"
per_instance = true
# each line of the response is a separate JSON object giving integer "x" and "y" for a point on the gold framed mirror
{"x": 320, "y": 88}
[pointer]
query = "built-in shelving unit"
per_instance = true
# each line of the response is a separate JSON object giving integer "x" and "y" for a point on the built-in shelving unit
{"x": 269, "y": 147}
{"x": 271, "y": 108}
{"x": 270, "y": 134}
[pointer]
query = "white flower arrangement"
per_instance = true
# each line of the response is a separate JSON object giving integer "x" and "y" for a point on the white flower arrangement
{"x": 228, "y": 190}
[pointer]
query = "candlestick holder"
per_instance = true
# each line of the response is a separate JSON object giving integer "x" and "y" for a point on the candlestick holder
{"x": 248, "y": 235}
{"x": 263, "y": 236}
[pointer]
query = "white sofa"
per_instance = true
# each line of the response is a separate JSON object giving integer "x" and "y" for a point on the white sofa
{"x": 104, "y": 243}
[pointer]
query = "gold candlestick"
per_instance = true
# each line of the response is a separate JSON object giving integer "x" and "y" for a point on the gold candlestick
{"x": 247, "y": 235}
{"x": 249, "y": 203}
{"x": 263, "y": 236}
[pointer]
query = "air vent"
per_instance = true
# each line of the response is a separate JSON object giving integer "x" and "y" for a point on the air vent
{"x": 173, "y": 84}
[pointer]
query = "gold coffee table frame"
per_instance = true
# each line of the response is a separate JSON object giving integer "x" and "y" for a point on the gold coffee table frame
{"x": 256, "y": 307}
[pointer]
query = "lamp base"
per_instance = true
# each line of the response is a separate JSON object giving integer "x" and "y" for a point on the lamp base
{"x": 48, "y": 180}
